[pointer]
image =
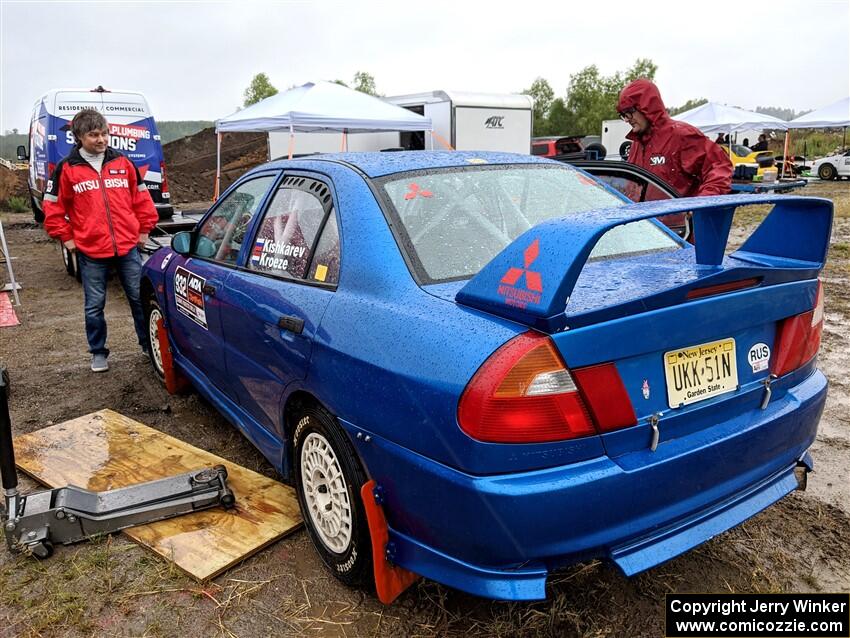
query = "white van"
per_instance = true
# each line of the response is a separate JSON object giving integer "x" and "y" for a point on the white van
{"x": 132, "y": 130}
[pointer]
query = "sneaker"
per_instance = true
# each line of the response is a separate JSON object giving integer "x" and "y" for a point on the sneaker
{"x": 146, "y": 352}
{"x": 99, "y": 363}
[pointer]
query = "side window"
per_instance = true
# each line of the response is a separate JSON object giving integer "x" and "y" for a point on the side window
{"x": 221, "y": 235}
{"x": 627, "y": 185}
{"x": 289, "y": 231}
{"x": 325, "y": 266}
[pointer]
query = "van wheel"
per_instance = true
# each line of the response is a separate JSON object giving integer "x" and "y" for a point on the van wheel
{"x": 328, "y": 478}
{"x": 625, "y": 147}
{"x": 69, "y": 260}
{"x": 153, "y": 314}
{"x": 37, "y": 213}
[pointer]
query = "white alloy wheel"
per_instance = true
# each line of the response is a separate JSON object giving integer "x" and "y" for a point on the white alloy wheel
{"x": 153, "y": 334}
{"x": 325, "y": 493}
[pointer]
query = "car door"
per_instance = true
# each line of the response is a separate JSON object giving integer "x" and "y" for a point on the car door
{"x": 280, "y": 294}
{"x": 639, "y": 185}
{"x": 194, "y": 285}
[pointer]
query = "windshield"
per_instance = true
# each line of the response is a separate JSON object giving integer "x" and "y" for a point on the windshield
{"x": 454, "y": 221}
{"x": 741, "y": 151}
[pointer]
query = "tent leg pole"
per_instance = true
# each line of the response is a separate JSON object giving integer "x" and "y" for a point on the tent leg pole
{"x": 217, "y": 186}
{"x": 291, "y": 141}
{"x": 785, "y": 154}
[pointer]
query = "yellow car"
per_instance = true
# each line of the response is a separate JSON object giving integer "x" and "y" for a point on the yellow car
{"x": 762, "y": 161}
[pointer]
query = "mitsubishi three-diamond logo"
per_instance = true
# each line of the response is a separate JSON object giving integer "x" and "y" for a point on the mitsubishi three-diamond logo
{"x": 522, "y": 286}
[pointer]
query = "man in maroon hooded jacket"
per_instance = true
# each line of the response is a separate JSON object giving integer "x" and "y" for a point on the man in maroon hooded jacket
{"x": 675, "y": 151}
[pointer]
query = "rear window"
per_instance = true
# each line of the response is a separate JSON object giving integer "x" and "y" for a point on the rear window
{"x": 452, "y": 222}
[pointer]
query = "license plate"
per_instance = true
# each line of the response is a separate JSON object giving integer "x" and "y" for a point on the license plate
{"x": 700, "y": 372}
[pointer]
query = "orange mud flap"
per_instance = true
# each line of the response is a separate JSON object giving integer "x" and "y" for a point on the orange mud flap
{"x": 174, "y": 381}
{"x": 390, "y": 580}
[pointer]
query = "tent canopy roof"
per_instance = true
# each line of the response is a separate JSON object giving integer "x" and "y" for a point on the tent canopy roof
{"x": 719, "y": 118}
{"x": 323, "y": 106}
{"x": 833, "y": 115}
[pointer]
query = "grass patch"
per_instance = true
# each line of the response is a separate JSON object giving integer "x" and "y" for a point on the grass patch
{"x": 839, "y": 250}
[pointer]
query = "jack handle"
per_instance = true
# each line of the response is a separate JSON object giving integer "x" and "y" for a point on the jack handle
{"x": 7, "y": 452}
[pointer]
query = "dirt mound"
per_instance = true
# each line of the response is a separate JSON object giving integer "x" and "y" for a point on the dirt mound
{"x": 13, "y": 184}
{"x": 190, "y": 162}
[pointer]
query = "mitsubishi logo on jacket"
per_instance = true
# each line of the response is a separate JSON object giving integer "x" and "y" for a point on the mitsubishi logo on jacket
{"x": 93, "y": 184}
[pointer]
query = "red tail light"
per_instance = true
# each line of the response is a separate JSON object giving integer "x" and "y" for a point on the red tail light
{"x": 524, "y": 394}
{"x": 164, "y": 185}
{"x": 606, "y": 396}
{"x": 798, "y": 338}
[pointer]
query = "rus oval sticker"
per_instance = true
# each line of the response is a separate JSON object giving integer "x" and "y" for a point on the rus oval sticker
{"x": 758, "y": 357}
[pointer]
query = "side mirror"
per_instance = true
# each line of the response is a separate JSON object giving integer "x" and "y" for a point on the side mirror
{"x": 23, "y": 156}
{"x": 181, "y": 243}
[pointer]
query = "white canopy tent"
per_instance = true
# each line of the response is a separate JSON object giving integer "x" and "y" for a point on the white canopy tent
{"x": 319, "y": 107}
{"x": 836, "y": 115}
{"x": 712, "y": 117}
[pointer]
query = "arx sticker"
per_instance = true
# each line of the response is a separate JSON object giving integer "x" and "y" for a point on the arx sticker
{"x": 759, "y": 357}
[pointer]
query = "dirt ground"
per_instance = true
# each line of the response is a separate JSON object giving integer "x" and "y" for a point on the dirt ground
{"x": 190, "y": 162}
{"x": 113, "y": 587}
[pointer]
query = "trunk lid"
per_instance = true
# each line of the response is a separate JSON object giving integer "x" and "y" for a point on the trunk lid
{"x": 691, "y": 332}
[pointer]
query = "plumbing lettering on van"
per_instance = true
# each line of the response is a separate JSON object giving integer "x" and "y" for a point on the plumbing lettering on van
{"x": 118, "y": 143}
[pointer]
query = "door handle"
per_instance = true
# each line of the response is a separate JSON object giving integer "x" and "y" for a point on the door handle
{"x": 208, "y": 289}
{"x": 290, "y": 323}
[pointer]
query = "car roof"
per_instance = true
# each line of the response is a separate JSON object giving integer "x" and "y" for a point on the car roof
{"x": 379, "y": 164}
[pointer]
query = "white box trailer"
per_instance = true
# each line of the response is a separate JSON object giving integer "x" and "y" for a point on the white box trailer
{"x": 614, "y": 139}
{"x": 466, "y": 121}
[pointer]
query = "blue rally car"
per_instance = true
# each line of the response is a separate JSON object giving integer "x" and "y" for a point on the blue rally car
{"x": 534, "y": 370}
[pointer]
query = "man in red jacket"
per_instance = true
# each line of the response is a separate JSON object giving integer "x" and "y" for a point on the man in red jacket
{"x": 675, "y": 151}
{"x": 98, "y": 206}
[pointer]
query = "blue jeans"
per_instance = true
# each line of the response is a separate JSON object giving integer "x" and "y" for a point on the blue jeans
{"x": 94, "y": 273}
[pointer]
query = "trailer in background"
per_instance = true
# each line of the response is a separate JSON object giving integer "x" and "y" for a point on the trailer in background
{"x": 614, "y": 139}
{"x": 465, "y": 121}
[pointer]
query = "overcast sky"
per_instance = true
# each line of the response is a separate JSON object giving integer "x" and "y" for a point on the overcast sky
{"x": 193, "y": 60}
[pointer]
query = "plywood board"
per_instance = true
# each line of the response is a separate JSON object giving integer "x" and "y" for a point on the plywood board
{"x": 106, "y": 450}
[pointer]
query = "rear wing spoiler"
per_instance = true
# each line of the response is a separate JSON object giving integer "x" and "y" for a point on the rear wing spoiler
{"x": 532, "y": 279}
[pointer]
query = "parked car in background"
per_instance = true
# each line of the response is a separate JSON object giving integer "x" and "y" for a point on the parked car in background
{"x": 832, "y": 167}
{"x": 532, "y": 368}
{"x": 571, "y": 147}
{"x": 761, "y": 163}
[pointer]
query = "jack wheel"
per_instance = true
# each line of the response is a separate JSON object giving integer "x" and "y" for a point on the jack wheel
{"x": 42, "y": 550}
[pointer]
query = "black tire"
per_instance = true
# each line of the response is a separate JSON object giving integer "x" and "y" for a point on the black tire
{"x": 37, "y": 213}
{"x": 595, "y": 151}
{"x": 625, "y": 147}
{"x": 337, "y": 526}
{"x": 69, "y": 260}
{"x": 152, "y": 313}
{"x": 827, "y": 171}
{"x": 78, "y": 275}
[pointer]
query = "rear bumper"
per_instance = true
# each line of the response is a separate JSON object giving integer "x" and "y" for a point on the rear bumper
{"x": 499, "y": 536}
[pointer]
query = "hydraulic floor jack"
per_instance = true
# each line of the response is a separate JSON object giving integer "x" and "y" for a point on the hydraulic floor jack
{"x": 34, "y": 523}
